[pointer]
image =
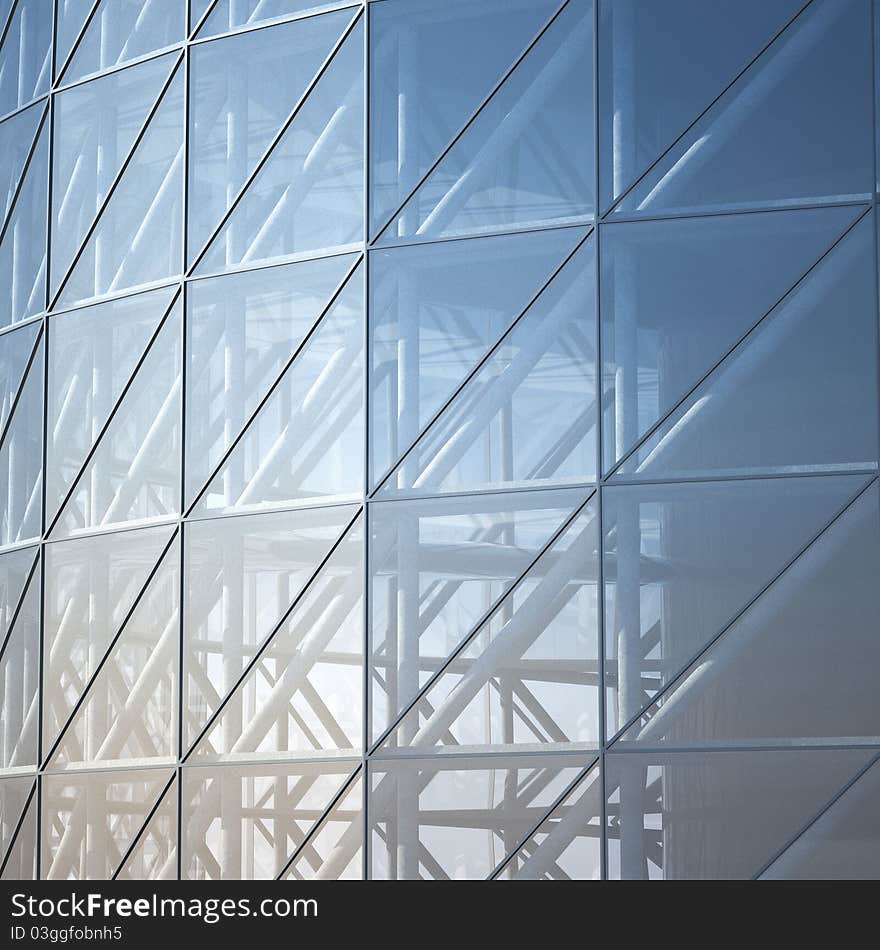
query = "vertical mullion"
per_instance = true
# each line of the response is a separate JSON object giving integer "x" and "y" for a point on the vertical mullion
{"x": 367, "y": 670}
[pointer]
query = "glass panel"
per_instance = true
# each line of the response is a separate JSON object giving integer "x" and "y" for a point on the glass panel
{"x": 241, "y": 577}
{"x": 24, "y": 56}
{"x": 71, "y": 15}
{"x": 242, "y": 329}
{"x": 305, "y": 694}
{"x": 843, "y": 843}
{"x": 19, "y": 681}
{"x": 21, "y": 461}
{"x": 647, "y": 97}
{"x": 458, "y": 819}
{"x": 709, "y": 815}
{"x": 96, "y": 124}
{"x": 333, "y": 852}
{"x": 232, "y": 14}
{"x": 307, "y": 442}
{"x": 14, "y": 793}
{"x": 682, "y": 560}
{"x": 91, "y": 585}
{"x": 197, "y": 10}
{"x": 129, "y": 714}
{"x": 823, "y": 685}
{"x": 23, "y": 242}
{"x": 309, "y": 194}
{"x": 674, "y": 302}
{"x": 154, "y": 857}
{"x": 437, "y": 567}
{"x": 435, "y": 311}
{"x": 431, "y": 65}
{"x": 795, "y": 127}
{"x": 244, "y": 822}
{"x": 138, "y": 239}
{"x": 122, "y": 30}
{"x": 529, "y": 414}
{"x": 92, "y": 819}
{"x": 791, "y": 396}
{"x": 529, "y": 675}
{"x": 243, "y": 90}
{"x": 20, "y": 862}
{"x": 16, "y": 138}
{"x": 15, "y": 567}
{"x": 15, "y": 353}
{"x": 566, "y": 847}
{"x": 528, "y": 159}
{"x": 92, "y": 355}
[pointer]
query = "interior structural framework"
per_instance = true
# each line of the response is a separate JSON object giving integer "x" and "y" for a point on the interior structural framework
{"x": 439, "y": 439}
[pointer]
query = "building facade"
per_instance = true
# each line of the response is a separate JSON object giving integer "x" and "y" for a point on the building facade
{"x": 439, "y": 439}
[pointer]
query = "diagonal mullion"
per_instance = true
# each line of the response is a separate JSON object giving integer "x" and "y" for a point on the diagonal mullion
{"x": 84, "y": 695}
{"x": 432, "y": 167}
{"x": 19, "y": 185}
{"x": 209, "y": 9}
{"x": 267, "y": 642}
{"x": 224, "y": 458}
{"x": 19, "y": 603}
{"x": 475, "y": 369}
{"x": 572, "y": 785}
{"x": 68, "y": 59}
{"x": 143, "y": 828}
{"x": 142, "y": 132}
{"x": 270, "y": 148}
{"x": 635, "y": 183}
{"x": 19, "y": 390}
{"x": 817, "y": 817}
{"x": 112, "y": 414}
{"x": 737, "y": 346}
{"x": 682, "y": 673}
{"x": 481, "y": 622}
{"x": 18, "y": 827}
{"x": 313, "y": 831}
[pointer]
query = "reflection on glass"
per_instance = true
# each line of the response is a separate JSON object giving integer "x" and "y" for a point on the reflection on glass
{"x": 154, "y": 856}
{"x": 25, "y": 54}
{"x": 15, "y": 353}
{"x": 234, "y": 14}
{"x": 19, "y": 679}
{"x": 14, "y": 794}
{"x": 17, "y": 135}
{"x": 711, "y": 815}
{"x": 20, "y": 860}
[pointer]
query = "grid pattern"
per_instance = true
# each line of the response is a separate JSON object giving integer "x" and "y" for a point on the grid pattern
{"x": 438, "y": 439}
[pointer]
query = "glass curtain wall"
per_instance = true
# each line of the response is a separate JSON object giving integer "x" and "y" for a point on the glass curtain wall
{"x": 438, "y": 439}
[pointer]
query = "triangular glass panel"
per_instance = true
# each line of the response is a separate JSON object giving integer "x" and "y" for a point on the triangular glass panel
{"x": 241, "y": 330}
{"x": 19, "y": 676}
{"x": 154, "y": 857}
{"x": 138, "y": 238}
{"x": 333, "y": 852}
{"x": 528, "y": 158}
{"x": 827, "y": 690}
{"x": 566, "y": 845}
{"x": 843, "y": 843}
{"x": 91, "y": 819}
{"x": 648, "y": 98}
{"x": 307, "y": 440}
{"x": 671, "y": 587}
{"x": 243, "y": 91}
{"x": 529, "y": 414}
{"x": 229, "y": 15}
{"x": 795, "y": 127}
{"x": 431, "y": 67}
{"x": 14, "y": 794}
{"x": 92, "y": 353}
{"x": 21, "y": 461}
{"x": 243, "y": 822}
{"x": 15, "y": 566}
{"x": 129, "y": 714}
{"x": 70, "y": 17}
{"x": 96, "y": 124}
{"x": 17, "y": 135}
{"x": 25, "y": 56}
{"x": 20, "y": 861}
{"x": 440, "y": 307}
{"x": 91, "y": 585}
{"x": 15, "y": 352}
{"x": 197, "y": 9}
{"x": 674, "y": 302}
{"x": 309, "y": 193}
{"x": 438, "y": 567}
{"x": 304, "y": 695}
{"x": 525, "y": 678}
{"x": 123, "y": 30}
{"x": 134, "y": 473}
{"x": 242, "y": 576}
{"x": 791, "y": 396}
{"x": 23, "y": 242}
